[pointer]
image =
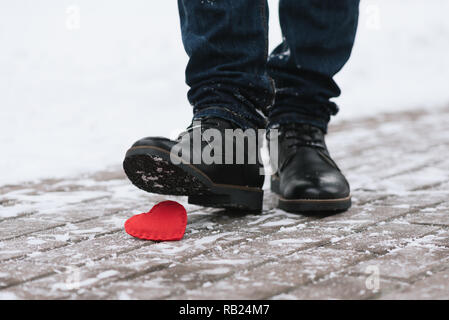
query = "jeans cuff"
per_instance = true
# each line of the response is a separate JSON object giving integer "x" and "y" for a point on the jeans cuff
{"x": 287, "y": 118}
{"x": 242, "y": 120}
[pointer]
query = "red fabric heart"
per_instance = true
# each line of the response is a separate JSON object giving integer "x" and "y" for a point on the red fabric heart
{"x": 166, "y": 221}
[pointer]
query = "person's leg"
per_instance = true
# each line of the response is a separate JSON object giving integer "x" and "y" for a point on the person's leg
{"x": 227, "y": 43}
{"x": 318, "y": 39}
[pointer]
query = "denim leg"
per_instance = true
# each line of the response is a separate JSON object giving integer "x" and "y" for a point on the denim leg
{"x": 318, "y": 36}
{"x": 227, "y": 45}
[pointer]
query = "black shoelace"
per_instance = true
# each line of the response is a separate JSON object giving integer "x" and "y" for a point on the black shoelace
{"x": 302, "y": 136}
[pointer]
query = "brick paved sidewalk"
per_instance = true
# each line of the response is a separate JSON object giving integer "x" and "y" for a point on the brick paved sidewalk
{"x": 65, "y": 238}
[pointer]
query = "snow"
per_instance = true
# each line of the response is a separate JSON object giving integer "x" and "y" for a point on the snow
{"x": 216, "y": 271}
{"x": 289, "y": 241}
{"x": 93, "y": 230}
{"x": 8, "y": 296}
{"x": 48, "y": 202}
{"x": 75, "y": 93}
{"x": 35, "y": 241}
{"x": 283, "y": 222}
{"x": 107, "y": 274}
{"x": 229, "y": 261}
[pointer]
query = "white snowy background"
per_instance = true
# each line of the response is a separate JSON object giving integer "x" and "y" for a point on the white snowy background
{"x": 81, "y": 80}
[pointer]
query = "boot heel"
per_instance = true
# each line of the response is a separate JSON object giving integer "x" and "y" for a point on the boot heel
{"x": 232, "y": 199}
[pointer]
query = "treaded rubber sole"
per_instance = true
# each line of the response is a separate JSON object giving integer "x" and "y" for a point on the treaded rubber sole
{"x": 309, "y": 205}
{"x": 151, "y": 169}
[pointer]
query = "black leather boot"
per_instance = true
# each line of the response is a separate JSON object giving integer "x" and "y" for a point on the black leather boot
{"x": 307, "y": 179}
{"x": 151, "y": 166}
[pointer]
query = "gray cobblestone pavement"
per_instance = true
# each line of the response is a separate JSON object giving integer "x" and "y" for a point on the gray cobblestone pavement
{"x": 64, "y": 238}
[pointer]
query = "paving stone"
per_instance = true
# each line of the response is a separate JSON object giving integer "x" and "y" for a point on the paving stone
{"x": 381, "y": 239}
{"x": 419, "y": 257}
{"x": 342, "y": 287}
{"x": 433, "y": 287}
{"x": 198, "y": 237}
{"x": 73, "y": 282}
{"x": 21, "y": 226}
{"x": 65, "y": 235}
{"x": 358, "y": 218}
{"x": 278, "y": 276}
{"x": 180, "y": 276}
{"x": 414, "y": 200}
{"x": 12, "y": 274}
{"x": 438, "y": 215}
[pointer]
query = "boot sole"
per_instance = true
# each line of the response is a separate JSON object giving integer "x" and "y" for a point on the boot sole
{"x": 151, "y": 169}
{"x": 310, "y": 205}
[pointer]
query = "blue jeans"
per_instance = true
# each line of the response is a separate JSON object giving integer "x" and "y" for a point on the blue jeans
{"x": 231, "y": 75}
